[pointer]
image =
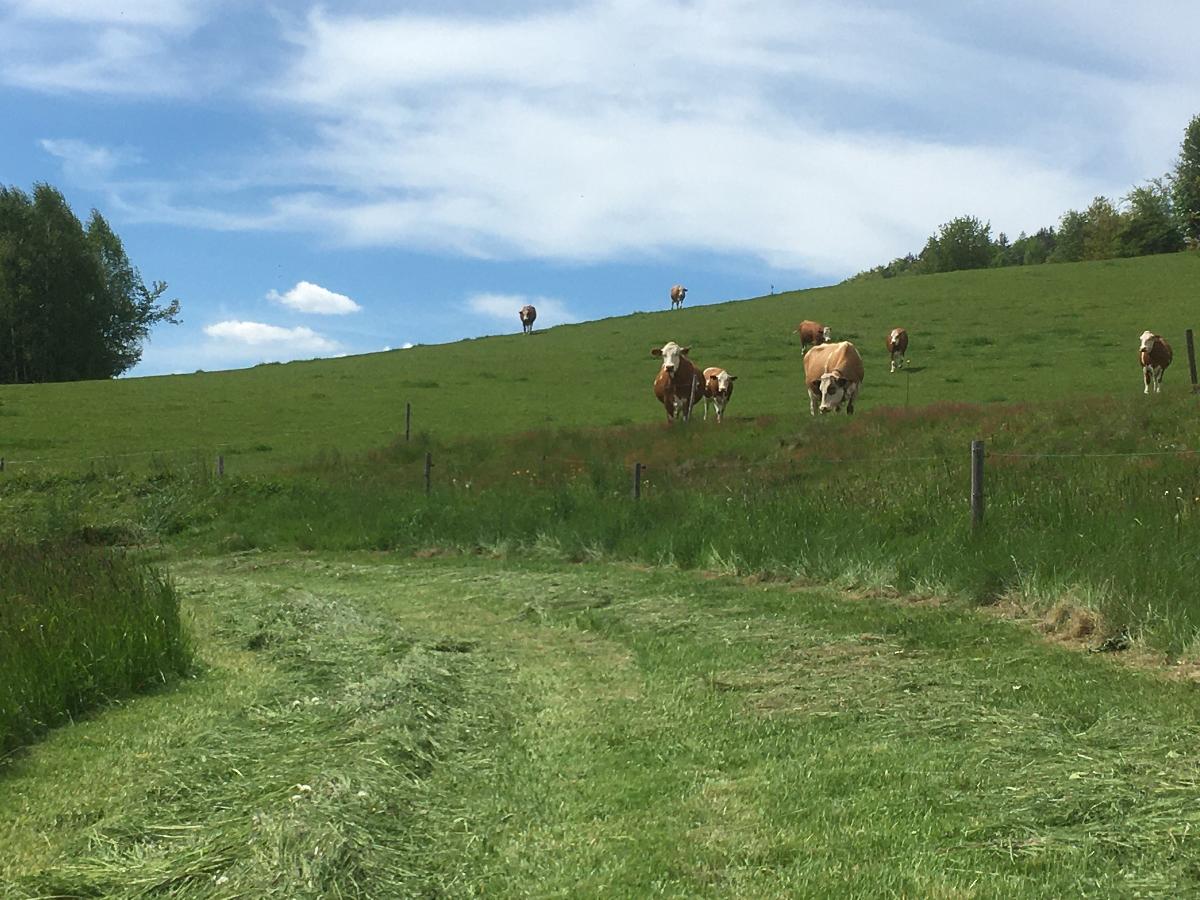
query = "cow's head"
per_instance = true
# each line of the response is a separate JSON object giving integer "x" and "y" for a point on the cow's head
{"x": 724, "y": 382}
{"x": 824, "y": 335}
{"x": 670, "y": 353}
{"x": 833, "y": 388}
{"x": 1147, "y": 341}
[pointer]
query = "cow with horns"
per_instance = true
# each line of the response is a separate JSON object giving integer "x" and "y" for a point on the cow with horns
{"x": 678, "y": 384}
{"x": 1155, "y": 355}
{"x": 528, "y": 314}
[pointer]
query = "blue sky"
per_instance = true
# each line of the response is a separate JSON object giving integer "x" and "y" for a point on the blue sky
{"x": 316, "y": 180}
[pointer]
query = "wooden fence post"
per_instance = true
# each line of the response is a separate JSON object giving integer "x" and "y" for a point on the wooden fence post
{"x": 407, "y": 420}
{"x": 1, "y": 463}
{"x": 976, "y": 483}
{"x": 220, "y": 465}
{"x": 1191, "y": 348}
{"x": 428, "y": 469}
{"x": 637, "y": 481}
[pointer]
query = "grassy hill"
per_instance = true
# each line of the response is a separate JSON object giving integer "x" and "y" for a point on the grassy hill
{"x": 1025, "y": 334}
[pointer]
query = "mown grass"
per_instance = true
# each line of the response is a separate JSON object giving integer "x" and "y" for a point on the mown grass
{"x": 1014, "y": 335}
{"x": 79, "y": 626}
{"x": 296, "y": 764}
{"x": 374, "y": 726}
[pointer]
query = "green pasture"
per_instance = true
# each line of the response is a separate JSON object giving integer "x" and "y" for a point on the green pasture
{"x": 1005, "y": 335}
{"x": 375, "y": 726}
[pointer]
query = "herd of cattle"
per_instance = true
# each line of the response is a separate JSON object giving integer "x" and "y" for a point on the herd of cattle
{"x": 833, "y": 370}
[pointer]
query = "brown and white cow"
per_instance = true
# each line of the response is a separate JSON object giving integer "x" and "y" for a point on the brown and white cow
{"x": 812, "y": 334}
{"x": 527, "y": 314}
{"x": 718, "y": 388}
{"x": 678, "y": 384}
{"x": 897, "y": 345}
{"x": 1155, "y": 355}
{"x": 833, "y": 374}
{"x": 678, "y": 292}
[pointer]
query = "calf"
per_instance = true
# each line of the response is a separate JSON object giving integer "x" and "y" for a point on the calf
{"x": 833, "y": 374}
{"x": 527, "y": 314}
{"x": 718, "y": 388}
{"x": 678, "y": 292}
{"x": 897, "y": 345}
{"x": 678, "y": 384}
{"x": 812, "y": 334}
{"x": 1155, "y": 355}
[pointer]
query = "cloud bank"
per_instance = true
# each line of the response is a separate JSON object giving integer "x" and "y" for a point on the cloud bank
{"x": 812, "y": 136}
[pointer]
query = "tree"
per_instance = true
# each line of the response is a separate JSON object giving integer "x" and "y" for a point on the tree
{"x": 72, "y": 306}
{"x": 962, "y": 243}
{"x": 1150, "y": 225}
{"x": 1102, "y": 225}
{"x": 1185, "y": 182}
{"x": 1071, "y": 228}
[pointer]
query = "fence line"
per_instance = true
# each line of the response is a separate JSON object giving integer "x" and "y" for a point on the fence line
{"x": 33, "y": 460}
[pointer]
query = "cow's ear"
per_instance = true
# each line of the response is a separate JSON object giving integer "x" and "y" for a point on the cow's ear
{"x": 657, "y": 351}
{"x": 733, "y": 378}
{"x": 686, "y": 350}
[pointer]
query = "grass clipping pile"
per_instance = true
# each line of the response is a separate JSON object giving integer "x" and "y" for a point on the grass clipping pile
{"x": 312, "y": 777}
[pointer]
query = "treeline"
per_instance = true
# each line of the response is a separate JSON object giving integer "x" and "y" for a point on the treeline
{"x": 72, "y": 306}
{"x": 1161, "y": 216}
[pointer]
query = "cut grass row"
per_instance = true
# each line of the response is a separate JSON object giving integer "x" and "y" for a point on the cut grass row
{"x": 376, "y": 726}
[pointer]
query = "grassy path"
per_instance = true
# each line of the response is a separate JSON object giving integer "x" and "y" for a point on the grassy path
{"x": 378, "y": 726}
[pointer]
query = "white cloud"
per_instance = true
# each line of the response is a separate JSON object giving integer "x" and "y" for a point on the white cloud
{"x": 132, "y": 48}
{"x": 823, "y": 138}
{"x": 86, "y": 162}
{"x": 312, "y": 298}
{"x": 504, "y": 308}
{"x": 816, "y": 136}
{"x": 271, "y": 337}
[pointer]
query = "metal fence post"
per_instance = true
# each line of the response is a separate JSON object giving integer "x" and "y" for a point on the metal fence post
{"x": 407, "y": 420}
{"x": 637, "y": 481}
{"x": 1191, "y": 349}
{"x": 428, "y": 468}
{"x": 976, "y": 483}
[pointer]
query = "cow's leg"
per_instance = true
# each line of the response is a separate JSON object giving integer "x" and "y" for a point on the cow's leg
{"x": 814, "y": 400}
{"x": 893, "y": 362}
{"x": 851, "y": 395}
{"x": 1146, "y": 376}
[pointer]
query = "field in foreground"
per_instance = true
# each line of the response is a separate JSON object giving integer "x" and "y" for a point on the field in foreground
{"x": 375, "y": 725}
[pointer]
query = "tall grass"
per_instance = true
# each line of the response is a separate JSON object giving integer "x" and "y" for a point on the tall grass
{"x": 1118, "y": 536}
{"x": 79, "y": 626}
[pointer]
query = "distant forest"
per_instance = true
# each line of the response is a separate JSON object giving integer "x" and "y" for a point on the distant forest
{"x": 1161, "y": 216}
